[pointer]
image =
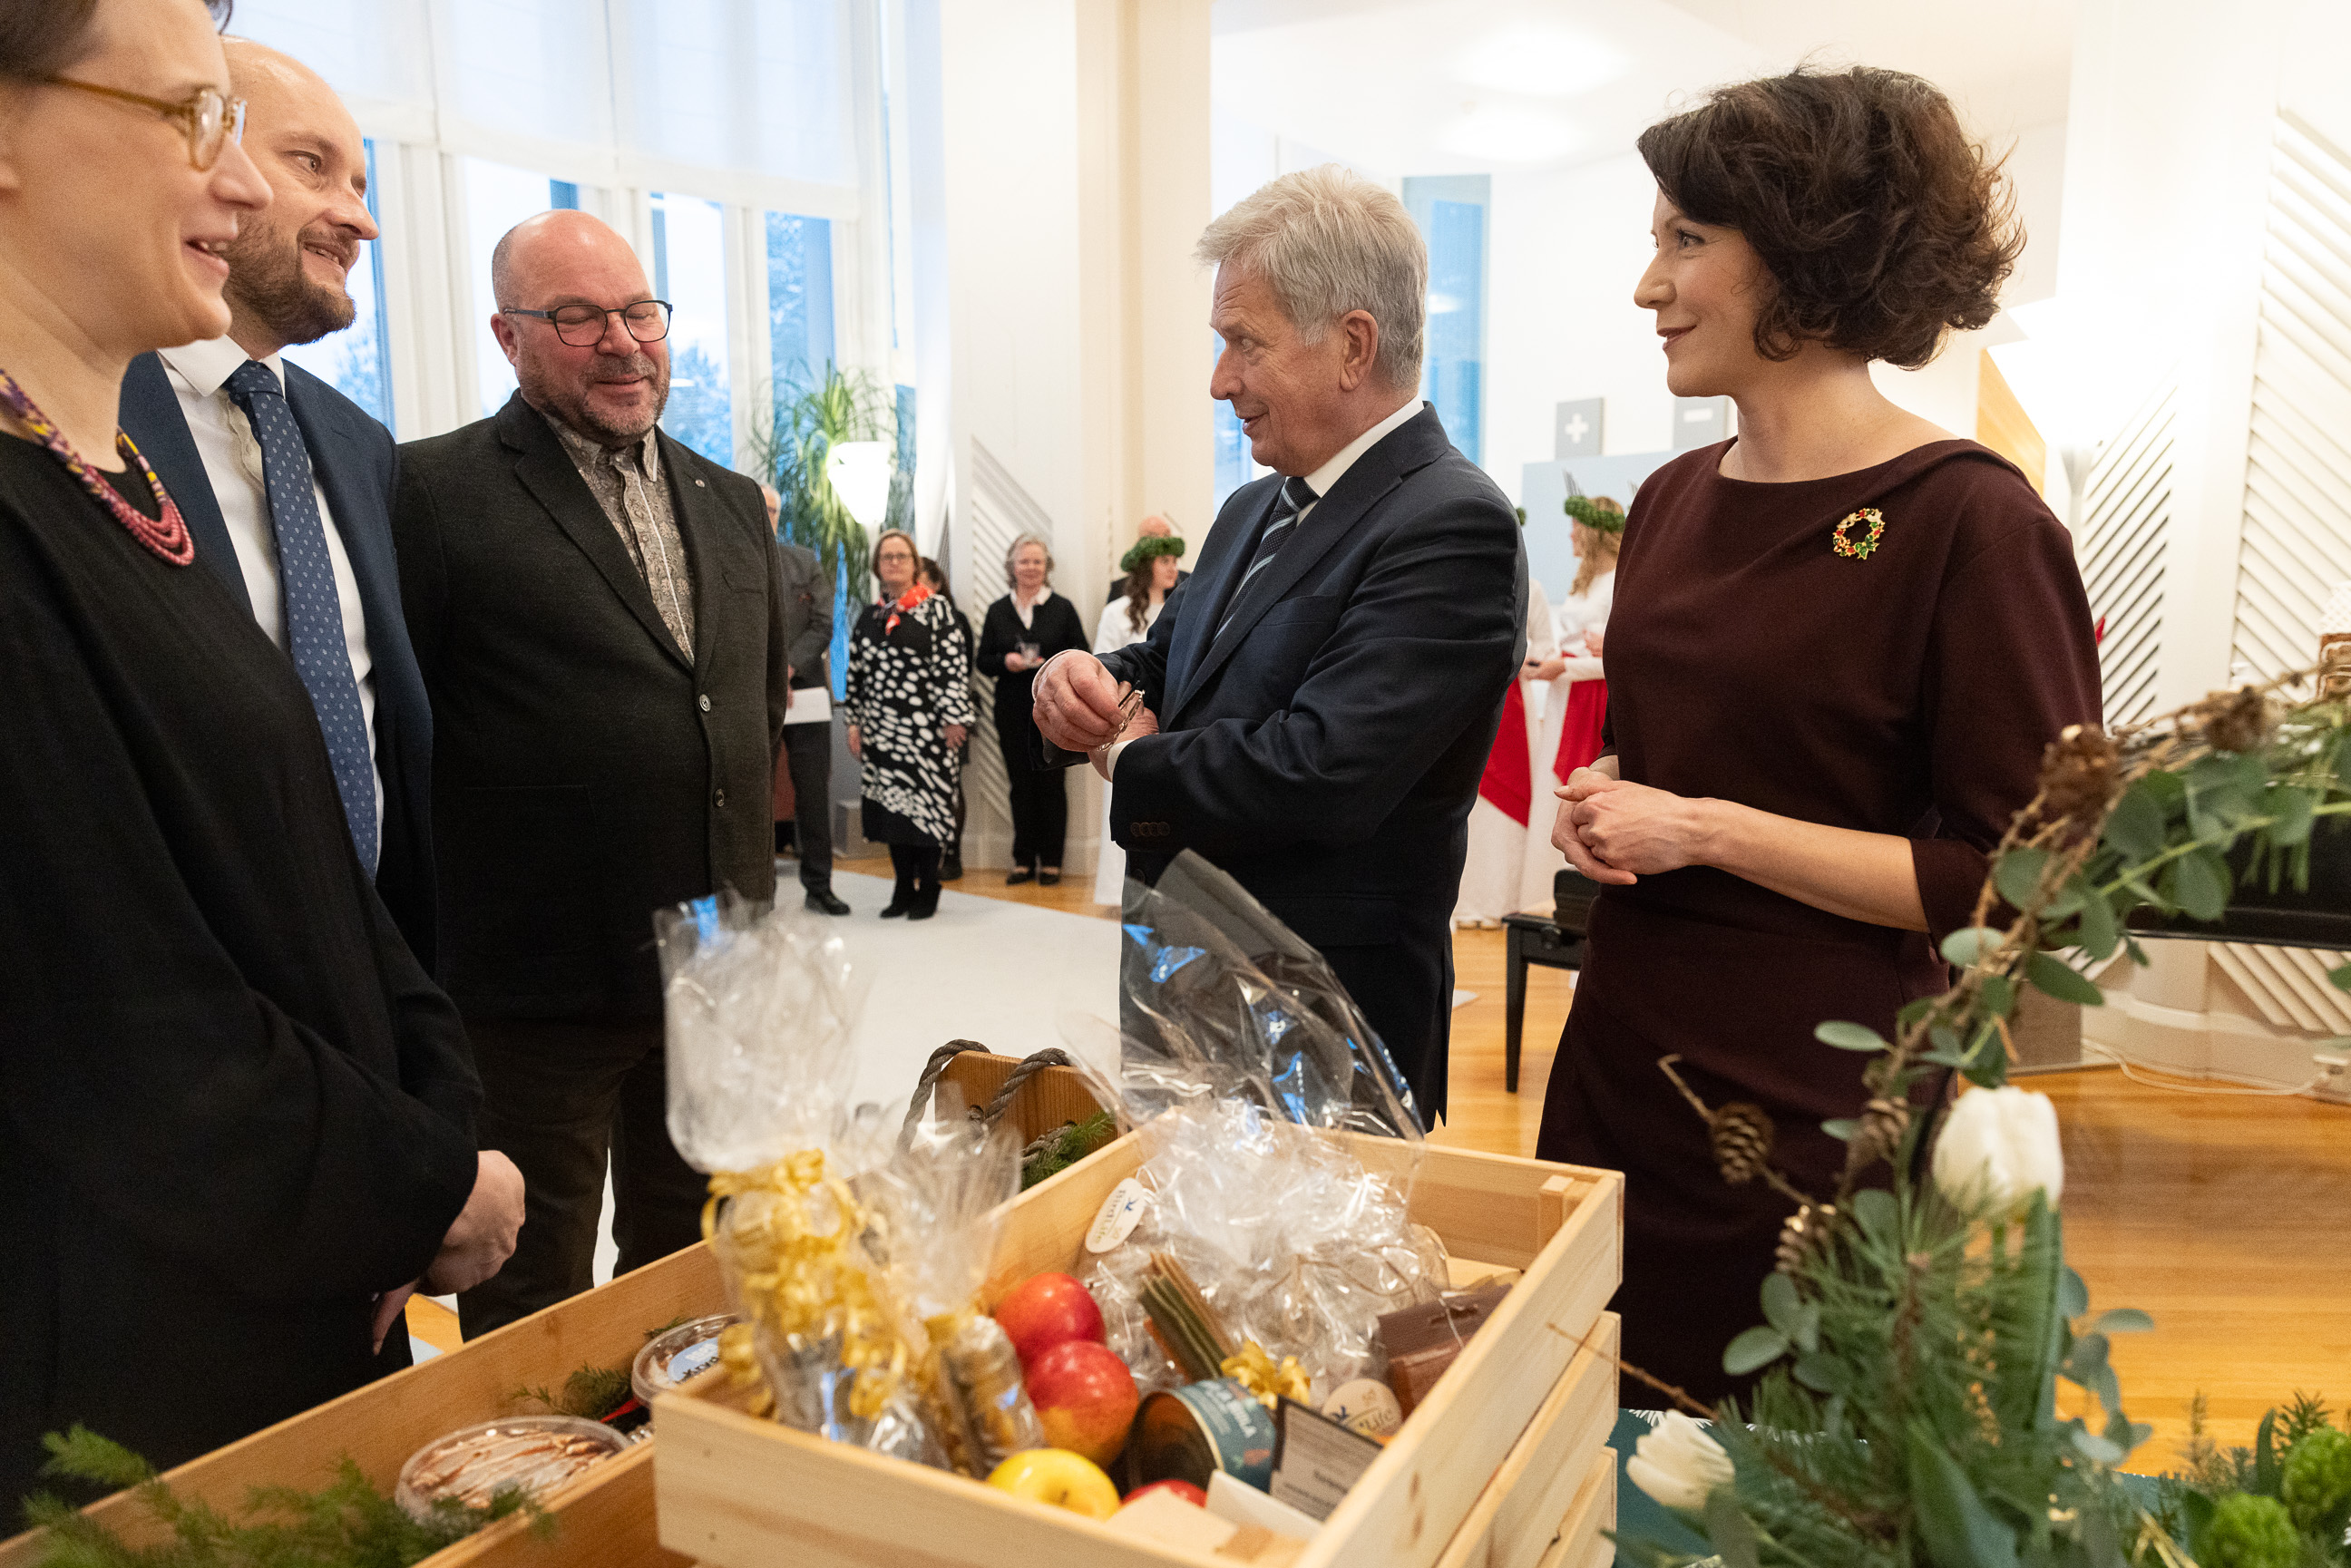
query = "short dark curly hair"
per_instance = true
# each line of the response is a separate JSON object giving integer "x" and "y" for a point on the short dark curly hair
{"x": 1881, "y": 223}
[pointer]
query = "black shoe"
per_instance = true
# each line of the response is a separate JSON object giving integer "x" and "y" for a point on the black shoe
{"x": 926, "y": 904}
{"x": 951, "y": 868}
{"x": 823, "y": 900}
{"x": 1050, "y": 877}
{"x": 1019, "y": 874}
{"x": 897, "y": 906}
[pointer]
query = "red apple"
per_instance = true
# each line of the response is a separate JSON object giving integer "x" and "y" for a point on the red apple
{"x": 1085, "y": 1397}
{"x": 1174, "y": 1488}
{"x": 1046, "y": 1309}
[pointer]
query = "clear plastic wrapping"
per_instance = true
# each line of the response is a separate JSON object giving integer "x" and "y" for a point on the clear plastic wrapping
{"x": 1240, "y": 1054}
{"x": 1221, "y": 1000}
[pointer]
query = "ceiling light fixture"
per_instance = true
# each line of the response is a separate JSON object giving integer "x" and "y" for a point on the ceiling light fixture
{"x": 1540, "y": 60}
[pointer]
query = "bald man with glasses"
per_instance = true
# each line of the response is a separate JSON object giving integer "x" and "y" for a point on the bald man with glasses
{"x": 598, "y": 614}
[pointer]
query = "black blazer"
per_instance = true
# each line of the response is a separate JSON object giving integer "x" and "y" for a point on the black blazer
{"x": 356, "y": 465}
{"x": 585, "y": 773}
{"x": 1326, "y": 748}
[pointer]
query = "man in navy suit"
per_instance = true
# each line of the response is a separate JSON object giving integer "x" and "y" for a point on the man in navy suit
{"x": 1323, "y": 691}
{"x": 313, "y": 562}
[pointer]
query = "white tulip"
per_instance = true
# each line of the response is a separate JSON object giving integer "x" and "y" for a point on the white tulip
{"x": 1998, "y": 1147}
{"x": 1679, "y": 1464}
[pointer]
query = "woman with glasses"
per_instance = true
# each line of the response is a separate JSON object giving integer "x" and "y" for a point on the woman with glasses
{"x": 910, "y": 710}
{"x": 1023, "y": 630}
{"x": 235, "y": 1116}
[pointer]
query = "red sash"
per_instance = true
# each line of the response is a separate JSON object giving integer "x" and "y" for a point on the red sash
{"x": 1510, "y": 766}
{"x": 1579, "y": 731}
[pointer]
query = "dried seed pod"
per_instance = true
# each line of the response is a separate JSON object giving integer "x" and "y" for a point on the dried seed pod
{"x": 1804, "y": 1237}
{"x": 2079, "y": 774}
{"x": 1742, "y": 1137}
{"x": 2243, "y": 720}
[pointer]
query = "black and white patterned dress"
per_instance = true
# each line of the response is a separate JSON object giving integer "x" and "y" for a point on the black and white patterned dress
{"x": 905, "y": 687}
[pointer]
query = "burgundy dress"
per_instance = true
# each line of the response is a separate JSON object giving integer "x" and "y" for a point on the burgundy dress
{"x": 1905, "y": 686}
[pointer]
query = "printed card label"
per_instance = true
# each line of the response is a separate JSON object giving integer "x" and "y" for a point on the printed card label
{"x": 1121, "y": 1212}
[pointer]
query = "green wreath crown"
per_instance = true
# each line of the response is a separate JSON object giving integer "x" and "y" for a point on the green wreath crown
{"x": 1592, "y": 515}
{"x": 1144, "y": 549}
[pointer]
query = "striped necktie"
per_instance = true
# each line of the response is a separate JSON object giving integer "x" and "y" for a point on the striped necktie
{"x": 1297, "y": 494}
{"x": 314, "y": 635}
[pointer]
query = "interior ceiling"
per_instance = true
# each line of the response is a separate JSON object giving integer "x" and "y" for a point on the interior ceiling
{"x": 1442, "y": 86}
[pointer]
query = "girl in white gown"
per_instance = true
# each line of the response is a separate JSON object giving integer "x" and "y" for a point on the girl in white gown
{"x": 1506, "y": 802}
{"x": 1151, "y": 569}
{"x": 1563, "y": 692}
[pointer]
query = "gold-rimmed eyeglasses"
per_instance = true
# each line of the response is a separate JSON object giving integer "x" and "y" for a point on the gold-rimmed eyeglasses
{"x": 210, "y": 121}
{"x": 583, "y": 325}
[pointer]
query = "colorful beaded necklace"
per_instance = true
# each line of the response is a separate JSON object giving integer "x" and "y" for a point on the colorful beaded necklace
{"x": 167, "y": 538}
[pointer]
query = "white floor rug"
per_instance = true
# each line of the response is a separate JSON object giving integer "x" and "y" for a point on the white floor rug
{"x": 982, "y": 968}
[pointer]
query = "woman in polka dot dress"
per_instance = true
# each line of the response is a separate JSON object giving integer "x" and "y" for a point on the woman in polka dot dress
{"x": 910, "y": 710}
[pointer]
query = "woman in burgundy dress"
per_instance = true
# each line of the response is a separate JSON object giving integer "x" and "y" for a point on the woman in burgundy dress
{"x": 1839, "y": 646}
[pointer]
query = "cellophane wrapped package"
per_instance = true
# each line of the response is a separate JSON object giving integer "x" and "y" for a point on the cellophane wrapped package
{"x": 761, "y": 1006}
{"x": 935, "y": 1215}
{"x": 1247, "y": 1065}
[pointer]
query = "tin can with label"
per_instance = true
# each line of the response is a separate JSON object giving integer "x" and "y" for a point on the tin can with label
{"x": 1191, "y": 1433}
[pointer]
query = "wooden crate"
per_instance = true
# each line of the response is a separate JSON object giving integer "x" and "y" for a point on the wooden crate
{"x": 1517, "y": 1518}
{"x": 1584, "y": 1534}
{"x": 603, "y": 1519}
{"x": 737, "y": 1492}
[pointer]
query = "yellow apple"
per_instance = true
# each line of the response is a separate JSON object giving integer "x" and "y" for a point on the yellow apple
{"x": 1060, "y": 1478}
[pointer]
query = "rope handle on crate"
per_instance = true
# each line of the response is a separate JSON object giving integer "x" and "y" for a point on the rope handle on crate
{"x": 933, "y": 1069}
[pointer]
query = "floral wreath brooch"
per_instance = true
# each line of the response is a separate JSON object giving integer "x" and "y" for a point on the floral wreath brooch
{"x": 1845, "y": 544}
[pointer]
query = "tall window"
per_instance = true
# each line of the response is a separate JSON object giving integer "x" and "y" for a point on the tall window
{"x": 356, "y": 362}
{"x": 690, "y": 272}
{"x": 1451, "y": 212}
{"x": 799, "y": 302}
{"x": 497, "y": 198}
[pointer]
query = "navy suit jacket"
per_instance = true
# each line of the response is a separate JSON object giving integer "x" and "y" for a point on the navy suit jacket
{"x": 1325, "y": 748}
{"x": 357, "y": 465}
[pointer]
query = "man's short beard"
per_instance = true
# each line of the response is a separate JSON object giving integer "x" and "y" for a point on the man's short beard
{"x": 568, "y": 403}
{"x": 266, "y": 283}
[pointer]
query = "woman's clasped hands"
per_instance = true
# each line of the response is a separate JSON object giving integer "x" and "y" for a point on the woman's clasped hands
{"x": 1616, "y": 832}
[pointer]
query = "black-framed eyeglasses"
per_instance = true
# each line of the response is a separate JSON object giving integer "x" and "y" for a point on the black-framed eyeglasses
{"x": 581, "y": 324}
{"x": 210, "y": 121}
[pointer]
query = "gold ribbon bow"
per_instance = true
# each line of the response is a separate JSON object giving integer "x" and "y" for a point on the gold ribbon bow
{"x": 800, "y": 1276}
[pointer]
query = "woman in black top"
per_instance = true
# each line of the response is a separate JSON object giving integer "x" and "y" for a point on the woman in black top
{"x": 1024, "y": 629}
{"x": 909, "y": 714}
{"x": 235, "y": 1116}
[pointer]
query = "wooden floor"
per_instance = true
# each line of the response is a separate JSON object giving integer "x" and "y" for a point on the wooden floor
{"x": 2226, "y": 1216}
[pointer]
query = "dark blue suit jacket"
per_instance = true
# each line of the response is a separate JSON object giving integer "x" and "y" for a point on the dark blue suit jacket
{"x": 1326, "y": 748}
{"x": 356, "y": 464}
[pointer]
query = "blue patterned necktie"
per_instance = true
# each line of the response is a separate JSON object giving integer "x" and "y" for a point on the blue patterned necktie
{"x": 314, "y": 610}
{"x": 1297, "y": 494}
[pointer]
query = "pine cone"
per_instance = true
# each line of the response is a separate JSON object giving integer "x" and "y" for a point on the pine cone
{"x": 1742, "y": 1137}
{"x": 2240, "y": 721}
{"x": 1883, "y": 1122}
{"x": 2079, "y": 772}
{"x": 1804, "y": 1234}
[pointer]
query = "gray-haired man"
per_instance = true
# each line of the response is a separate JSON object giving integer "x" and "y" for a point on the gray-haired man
{"x": 1327, "y": 683}
{"x": 808, "y": 722}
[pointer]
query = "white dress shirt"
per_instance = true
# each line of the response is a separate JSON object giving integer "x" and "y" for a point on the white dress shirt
{"x": 232, "y": 457}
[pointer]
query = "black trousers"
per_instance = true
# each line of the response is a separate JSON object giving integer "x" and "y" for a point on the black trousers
{"x": 1040, "y": 799}
{"x": 558, "y": 1097}
{"x": 808, "y": 751}
{"x": 1406, "y": 992}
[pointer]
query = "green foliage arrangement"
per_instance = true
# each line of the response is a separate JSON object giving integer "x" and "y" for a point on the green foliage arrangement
{"x": 1064, "y": 1147}
{"x": 792, "y": 446}
{"x": 1914, "y": 1334}
{"x": 2284, "y": 1502}
{"x": 345, "y": 1524}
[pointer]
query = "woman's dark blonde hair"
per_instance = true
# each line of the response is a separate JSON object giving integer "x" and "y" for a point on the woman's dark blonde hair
{"x": 1600, "y": 548}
